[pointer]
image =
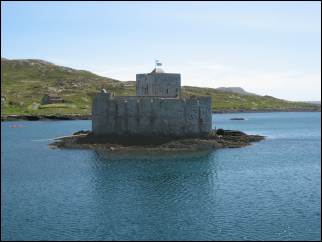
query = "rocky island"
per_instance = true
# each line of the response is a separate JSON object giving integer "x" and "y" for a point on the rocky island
{"x": 216, "y": 139}
{"x": 156, "y": 118}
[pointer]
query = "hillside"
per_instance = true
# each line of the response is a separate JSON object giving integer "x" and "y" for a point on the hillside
{"x": 314, "y": 102}
{"x": 237, "y": 90}
{"x": 24, "y": 83}
{"x": 232, "y": 102}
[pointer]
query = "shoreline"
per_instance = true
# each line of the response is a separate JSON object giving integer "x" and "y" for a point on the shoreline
{"x": 14, "y": 117}
{"x": 267, "y": 111}
{"x": 17, "y": 117}
{"x": 216, "y": 139}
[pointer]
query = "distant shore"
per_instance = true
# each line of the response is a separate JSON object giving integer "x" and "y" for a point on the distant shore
{"x": 46, "y": 117}
{"x": 267, "y": 110}
{"x": 29, "y": 117}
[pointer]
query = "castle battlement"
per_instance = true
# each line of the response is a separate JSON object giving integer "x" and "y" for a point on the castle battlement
{"x": 158, "y": 83}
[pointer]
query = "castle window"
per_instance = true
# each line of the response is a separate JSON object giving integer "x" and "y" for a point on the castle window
{"x": 167, "y": 90}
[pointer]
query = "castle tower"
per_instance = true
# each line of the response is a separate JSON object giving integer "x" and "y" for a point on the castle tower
{"x": 156, "y": 110}
{"x": 158, "y": 84}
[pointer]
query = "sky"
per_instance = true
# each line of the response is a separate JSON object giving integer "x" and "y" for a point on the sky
{"x": 269, "y": 48}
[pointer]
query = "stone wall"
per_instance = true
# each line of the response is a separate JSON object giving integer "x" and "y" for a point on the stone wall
{"x": 50, "y": 99}
{"x": 158, "y": 84}
{"x": 151, "y": 116}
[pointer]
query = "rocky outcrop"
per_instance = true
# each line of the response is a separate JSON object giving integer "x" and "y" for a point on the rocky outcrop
{"x": 237, "y": 119}
{"x": 215, "y": 140}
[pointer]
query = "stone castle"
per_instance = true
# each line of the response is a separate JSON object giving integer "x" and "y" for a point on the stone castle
{"x": 156, "y": 110}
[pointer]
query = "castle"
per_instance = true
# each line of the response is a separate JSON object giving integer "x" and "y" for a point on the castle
{"x": 156, "y": 110}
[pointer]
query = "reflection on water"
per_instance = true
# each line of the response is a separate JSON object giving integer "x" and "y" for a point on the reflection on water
{"x": 269, "y": 190}
{"x": 165, "y": 190}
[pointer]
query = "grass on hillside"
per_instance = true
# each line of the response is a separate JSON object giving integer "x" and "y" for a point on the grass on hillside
{"x": 24, "y": 82}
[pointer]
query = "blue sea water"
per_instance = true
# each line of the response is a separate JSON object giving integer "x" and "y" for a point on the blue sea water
{"x": 270, "y": 190}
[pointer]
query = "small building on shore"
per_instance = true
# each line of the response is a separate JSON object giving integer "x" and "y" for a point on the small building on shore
{"x": 51, "y": 99}
{"x": 156, "y": 110}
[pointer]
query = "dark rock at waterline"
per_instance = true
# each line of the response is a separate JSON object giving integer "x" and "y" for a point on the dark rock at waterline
{"x": 227, "y": 132}
{"x": 82, "y": 132}
{"x": 237, "y": 119}
{"x": 216, "y": 139}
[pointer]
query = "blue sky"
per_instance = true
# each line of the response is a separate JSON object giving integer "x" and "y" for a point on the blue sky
{"x": 270, "y": 48}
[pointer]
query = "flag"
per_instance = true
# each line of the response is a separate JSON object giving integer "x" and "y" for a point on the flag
{"x": 158, "y": 63}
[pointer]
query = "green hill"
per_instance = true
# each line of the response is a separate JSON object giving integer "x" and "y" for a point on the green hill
{"x": 24, "y": 83}
{"x": 223, "y": 101}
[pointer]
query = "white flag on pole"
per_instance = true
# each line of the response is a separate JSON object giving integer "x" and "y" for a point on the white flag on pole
{"x": 158, "y": 63}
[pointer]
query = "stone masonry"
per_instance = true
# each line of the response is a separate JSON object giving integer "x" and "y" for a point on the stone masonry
{"x": 157, "y": 110}
{"x": 159, "y": 84}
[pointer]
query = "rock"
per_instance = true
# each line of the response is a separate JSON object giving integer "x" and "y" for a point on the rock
{"x": 215, "y": 140}
{"x": 35, "y": 106}
{"x": 220, "y": 131}
{"x": 81, "y": 132}
{"x": 237, "y": 119}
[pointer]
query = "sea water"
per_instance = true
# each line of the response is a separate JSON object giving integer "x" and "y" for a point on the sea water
{"x": 270, "y": 190}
